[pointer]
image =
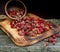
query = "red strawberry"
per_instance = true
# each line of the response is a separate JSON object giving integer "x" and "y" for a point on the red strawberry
{"x": 23, "y": 22}
{"x": 18, "y": 25}
{"x": 53, "y": 43}
{"x": 31, "y": 28}
{"x": 41, "y": 30}
{"x": 18, "y": 28}
{"x": 31, "y": 19}
{"x": 20, "y": 33}
{"x": 40, "y": 22}
{"x": 26, "y": 33}
{"x": 50, "y": 40}
{"x": 12, "y": 25}
{"x": 15, "y": 21}
{"x": 39, "y": 27}
{"x": 54, "y": 36}
{"x": 21, "y": 12}
{"x": 39, "y": 19}
{"x": 45, "y": 29}
{"x": 12, "y": 13}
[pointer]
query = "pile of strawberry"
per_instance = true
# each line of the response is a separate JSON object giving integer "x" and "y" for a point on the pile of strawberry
{"x": 16, "y": 12}
{"x": 52, "y": 40}
{"x": 30, "y": 26}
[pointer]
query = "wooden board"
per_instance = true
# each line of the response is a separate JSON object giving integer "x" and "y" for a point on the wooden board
{"x": 20, "y": 40}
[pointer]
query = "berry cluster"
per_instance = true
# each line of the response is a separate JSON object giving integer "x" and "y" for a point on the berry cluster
{"x": 30, "y": 26}
{"x": 15, "y": 12}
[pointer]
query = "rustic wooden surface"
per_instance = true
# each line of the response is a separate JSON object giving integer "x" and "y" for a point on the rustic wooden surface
{"x": 6, "y": 44}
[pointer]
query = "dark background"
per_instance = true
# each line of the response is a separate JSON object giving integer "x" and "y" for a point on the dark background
{"x": 43, "y": 8}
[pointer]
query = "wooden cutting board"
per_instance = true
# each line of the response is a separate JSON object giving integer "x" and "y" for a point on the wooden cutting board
{"x": 20, "y": 40}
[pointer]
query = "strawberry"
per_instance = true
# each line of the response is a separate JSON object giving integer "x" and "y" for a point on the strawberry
{"x": 18, "y": 25}
{"x": 45, "y": 29}
{"x": 12, "y": 13}
{"x": 31, "y": 19}
{"x": 54, "y": 36}
{"x": 12, "y": 25}
{"x": 41, "y": 30}
{"x": 40, "y": 21}
{"x": 15, "y": 21}
{"x": 39, "y": 26}
{"x": 20, "y": 33}
{"x": 53, "y": 43}
{"x": 26, "y": 33}
{"x": 31, "y": 28}
{"x": 21, "y": 12}
{"x": 50, "y": 39}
